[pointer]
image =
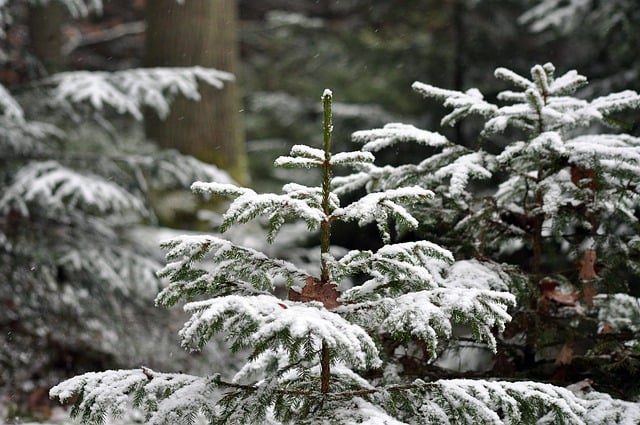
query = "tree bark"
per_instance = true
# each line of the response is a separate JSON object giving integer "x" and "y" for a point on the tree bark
{"x": 45, "y": 34}
{"x": 199, "y": 32}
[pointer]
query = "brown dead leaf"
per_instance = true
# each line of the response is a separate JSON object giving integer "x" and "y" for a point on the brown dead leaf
{"x": 549, "y": 292}
{"x": 565, "y": 356}
{"x": 587, "y": 265}
{"x": 316, "y": 290}
{"x": 39, "y": 402}
{"x": 588, "y": 292}
{"x": 563, "y": 299}
{"x": 584, "y": 178}
{"x": 606, "y": 328}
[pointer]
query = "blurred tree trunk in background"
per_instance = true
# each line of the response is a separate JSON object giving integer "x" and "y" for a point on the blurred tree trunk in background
{"x": 45, "y": 33}
{"x": 199, "y": 32}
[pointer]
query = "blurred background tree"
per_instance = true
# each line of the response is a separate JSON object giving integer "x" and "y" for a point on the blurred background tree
{"x": 77, "y": 229}
{"x": 368, "y": 51}
{"x": 198, "y": 33}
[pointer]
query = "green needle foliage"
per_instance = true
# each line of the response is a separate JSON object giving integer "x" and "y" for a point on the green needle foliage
{"x": 315, "y": 354}
{"x": 563, "y": 208}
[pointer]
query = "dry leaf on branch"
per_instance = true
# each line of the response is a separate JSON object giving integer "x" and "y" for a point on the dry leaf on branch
{"x": 316, "y": 290}
{"x": 606, "y": 328}
{"x": 565, "y": 356}
{"x": 587, "y": 273}
{"x": 549, "y": 292}
{"x": 584, "y": 178}
{"x": 587, "y": 265}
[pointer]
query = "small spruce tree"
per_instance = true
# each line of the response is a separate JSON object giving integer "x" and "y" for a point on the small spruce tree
{"x": 314, "y": 353}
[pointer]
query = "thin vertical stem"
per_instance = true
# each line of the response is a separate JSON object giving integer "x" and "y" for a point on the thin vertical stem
{"x": 325, "y": 369}
{"x": 538, "y": 221}
{"x": 325, "y": 227}
{"x": 325, "y": 361}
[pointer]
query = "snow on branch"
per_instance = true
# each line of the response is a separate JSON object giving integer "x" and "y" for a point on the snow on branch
{"x": 128, "y": 272}
{"x": 53, "y": 187}
{"x": 415, "y": 292}
{"x": 544, "y": 102}
{"x": 394, "y": 133}
{"x": 567, "y": 83}
{"x": 380, "y": 206}
{"x": 512, "y": 77}
{"x": 430, "y": 314}
{"x": 171, "y": 168}
{"x": 460, "y": 170}
{"x": 165, "y": 398}
{"x": 409, "y": 266}
{"x": 301, "y": 156}
{"x": 10, "y": 107}
{"x": 474, "y": 274}
{"x": 17, "y": 134}
{"x": 264, "y": 322}
{"x": 627, "y": 99}
{"x": 448, "y": 173}
{"x": 462, "y": 103}
{"x": 561, "y": 14}
{"x": 235, "y": 269}
{"x": 614, "y": 161}
{"x": 352, "y": 158}
{"x": 223, "y": 189}
{"x": 301, "y": 202}
{"x": 618, "y": 312}
{"x": 170, "y": 398}
{"x": 616, "y": 155}
{"x": 129, "y": 91}
{"x": 467, "y": 401}
{"x": 543, "y": 146}
{"x": 77, "y": 8}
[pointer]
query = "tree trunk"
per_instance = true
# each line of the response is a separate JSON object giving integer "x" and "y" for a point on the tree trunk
{"x": 199, "y": 32}
{"x": 45, "y": 33}
{"x": 458, "y": 12}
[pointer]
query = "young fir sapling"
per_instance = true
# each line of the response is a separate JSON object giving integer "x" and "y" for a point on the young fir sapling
{"x": 313, "y": 354}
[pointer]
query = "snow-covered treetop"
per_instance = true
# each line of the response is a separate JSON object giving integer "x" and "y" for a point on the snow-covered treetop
{"x": 543, "y": 102}
{"x": 549, "y": 116}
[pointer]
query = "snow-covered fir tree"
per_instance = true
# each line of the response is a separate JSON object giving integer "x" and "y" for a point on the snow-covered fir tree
{"x": 76, "y": 284}
{"x": 315, "y": 351}
{"x": 609, "y": 26}
{"x": 566, "y": 212}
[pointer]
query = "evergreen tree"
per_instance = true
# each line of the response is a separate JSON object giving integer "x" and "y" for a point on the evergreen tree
{"x": 315, "y": 352}
{"x": 210, "y": 129}
{"x": 608, "y": 28}
{"x": 566, "y": 211}
{"x": 76, "y": 284}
